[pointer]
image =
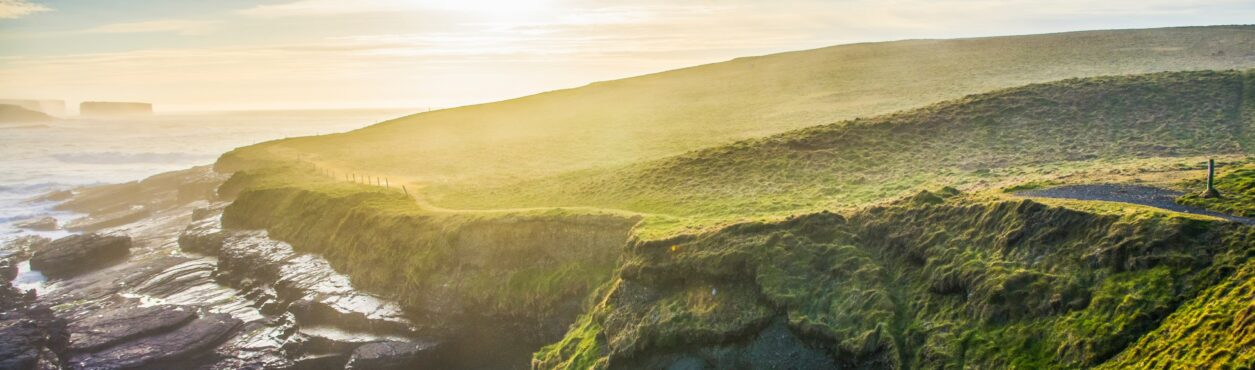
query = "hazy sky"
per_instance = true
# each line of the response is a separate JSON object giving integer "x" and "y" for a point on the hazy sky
{"x": 231, "y": 54}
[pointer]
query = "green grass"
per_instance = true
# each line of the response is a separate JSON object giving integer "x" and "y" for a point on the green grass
{"x": 1211, "y": 331}
{"x": 1046, "y": 129}
{"x": 963, "y": 283}
{"x": 1237, "y": 189}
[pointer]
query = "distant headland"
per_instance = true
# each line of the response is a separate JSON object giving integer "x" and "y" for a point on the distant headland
{"x": 18, "y": 113}
{"x": 45, "y": 106}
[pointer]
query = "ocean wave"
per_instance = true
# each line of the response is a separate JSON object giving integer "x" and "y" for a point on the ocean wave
{"x": 125, "y": 158}
{"x": 32, "y": 188}
{"x": 22, "y": 127}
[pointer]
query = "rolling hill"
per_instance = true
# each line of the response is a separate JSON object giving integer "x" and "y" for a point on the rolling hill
{"x": 654, "y": 116}
{"x": 1046, "y": 128}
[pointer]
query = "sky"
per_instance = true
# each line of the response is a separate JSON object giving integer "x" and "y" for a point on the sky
{"x": 190, "y": 55}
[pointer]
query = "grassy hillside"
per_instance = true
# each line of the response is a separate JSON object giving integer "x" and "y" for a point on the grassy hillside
{"x": 934, "y": 281}
{"x": 653, "y": 116}
{"x": 1035, "y": 130}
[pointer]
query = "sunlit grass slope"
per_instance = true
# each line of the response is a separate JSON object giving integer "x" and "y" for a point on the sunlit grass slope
{"x": 654, "y": 116}
{"x": 1014, "y": 133}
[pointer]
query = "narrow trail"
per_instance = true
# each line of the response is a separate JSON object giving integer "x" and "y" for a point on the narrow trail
{"x": 1133, "y": 194}
{"x": 416, "y": 194}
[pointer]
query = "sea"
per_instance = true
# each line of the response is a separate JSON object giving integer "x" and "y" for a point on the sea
{"x": 39, "y": 157}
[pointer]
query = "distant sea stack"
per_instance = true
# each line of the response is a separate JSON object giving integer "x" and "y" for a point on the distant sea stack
{"x": 15, "y": 113}
{"x": 113, "y": 109}
{"x": 49, "y": 107}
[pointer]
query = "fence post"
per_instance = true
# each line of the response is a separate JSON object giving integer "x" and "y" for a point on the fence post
{"x": 1211, "y": 191}
{"x": 407, "y": 191}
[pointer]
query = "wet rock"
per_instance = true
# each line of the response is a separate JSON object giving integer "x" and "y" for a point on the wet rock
{"x": 392, "y": 355}
{"x": 196, "y": 338}
{"x": 330, "y": 339}
{"x": 78, "y": 253}
{"x": 8, "y": 270}
{"x": 38, "y": 224}
{"x": 100, "y": 221}
{"x": 313, "y": 290}
{"x": 20, "y": 344}
{"x": 212, "y": 211}
{"x": 203, "y": 236}
{"x": 29, "y": 338}
{"x": 103, "y": 329}
{"x": 21, "y": 248}
{"x": 102, "y": 198}
{"x": 257, "y": 346}
{"x": 56, "y": 196}
{"x": 326, "y": 361}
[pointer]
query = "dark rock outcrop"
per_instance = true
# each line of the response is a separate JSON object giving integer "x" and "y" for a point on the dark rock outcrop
{"x": 78, "y": 253}
{"x": 29, "y": 339}
{"x": 39, "y": 224}
{"x": 165, "y": 350}
{"x": 392, "y": 354}
{"x": 204, "y": 235}
{"x": 101, "y": 330}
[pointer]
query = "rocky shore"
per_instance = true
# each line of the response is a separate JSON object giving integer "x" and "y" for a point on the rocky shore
{"x": 155, "y": 282}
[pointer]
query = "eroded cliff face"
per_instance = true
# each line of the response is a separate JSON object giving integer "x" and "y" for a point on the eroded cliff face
{"x": 511, "y": 282}
{"x": 927, "y": 282}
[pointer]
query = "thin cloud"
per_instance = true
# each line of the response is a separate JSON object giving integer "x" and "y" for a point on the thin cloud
{"x": 326, "y": 7}
{"x": 340, "y": 7}
{"x": 13, "y": 9}
{"x": 179, "y": 26}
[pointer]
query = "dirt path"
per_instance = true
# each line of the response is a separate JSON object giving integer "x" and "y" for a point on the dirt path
{"x": 1134, "y": 194}
{"x": 415, "y": 191}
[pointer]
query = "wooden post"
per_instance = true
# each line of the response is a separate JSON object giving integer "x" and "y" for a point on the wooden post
{"x": 385, "y": 183}
{"x": 1211, "y": 191}
{"x": 1211, "y": 175}
{"x": 407, "y": 191}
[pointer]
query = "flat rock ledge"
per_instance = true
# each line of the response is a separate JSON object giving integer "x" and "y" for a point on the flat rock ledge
{"x": 79, "y": 253}
{"x": 162, "y": 350}
{"x": 38, "y": 224}
{"x": 392, "y": 354}
{"x": 104, "y": 329}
